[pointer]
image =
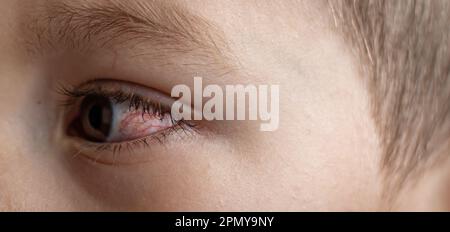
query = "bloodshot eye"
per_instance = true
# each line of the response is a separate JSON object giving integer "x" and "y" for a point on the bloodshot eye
{"x": 106, "y": 119}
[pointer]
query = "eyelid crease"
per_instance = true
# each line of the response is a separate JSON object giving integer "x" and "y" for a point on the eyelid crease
{"x": 120, "y": 91}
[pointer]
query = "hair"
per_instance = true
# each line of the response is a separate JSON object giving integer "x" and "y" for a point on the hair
{"x": 405, "y": 54}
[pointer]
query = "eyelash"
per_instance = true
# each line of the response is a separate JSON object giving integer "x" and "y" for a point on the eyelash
{"x": 137, "y": 102}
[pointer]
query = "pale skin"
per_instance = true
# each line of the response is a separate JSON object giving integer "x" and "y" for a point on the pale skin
{"x": 324, "y": 156}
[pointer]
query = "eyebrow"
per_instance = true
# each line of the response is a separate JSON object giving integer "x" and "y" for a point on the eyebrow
{"x": 167, "y": 27}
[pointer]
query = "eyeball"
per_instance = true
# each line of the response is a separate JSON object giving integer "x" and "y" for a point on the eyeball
{"x": 102, "y": 119}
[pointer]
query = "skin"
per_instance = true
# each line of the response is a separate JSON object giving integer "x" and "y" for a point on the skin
{"x": 324, "y": 156}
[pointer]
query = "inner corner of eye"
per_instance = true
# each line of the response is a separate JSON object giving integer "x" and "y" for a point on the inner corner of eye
{"x": 101, "y": 119}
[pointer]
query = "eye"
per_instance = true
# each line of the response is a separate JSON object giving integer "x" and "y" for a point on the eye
{"x": 107, "y": 112}
{"x": 103, "y": 119}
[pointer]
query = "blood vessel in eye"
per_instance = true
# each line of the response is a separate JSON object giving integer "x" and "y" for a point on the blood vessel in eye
{"x": 136, "y": 125}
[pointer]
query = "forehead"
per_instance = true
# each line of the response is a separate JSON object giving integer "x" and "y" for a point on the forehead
{"x": 284, "y": 14}
{"x": 253, "y": 27}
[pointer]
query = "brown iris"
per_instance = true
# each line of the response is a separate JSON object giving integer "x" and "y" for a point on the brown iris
{"x": 96, "y": 117}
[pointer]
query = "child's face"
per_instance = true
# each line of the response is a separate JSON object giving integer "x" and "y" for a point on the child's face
{"x": 323, "y": 156}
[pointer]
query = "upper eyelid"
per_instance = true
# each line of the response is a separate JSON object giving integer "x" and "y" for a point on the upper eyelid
{"x": 110, "y": 87}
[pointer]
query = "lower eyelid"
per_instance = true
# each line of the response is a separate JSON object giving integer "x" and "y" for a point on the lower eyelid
{"x": 132, "y": 152}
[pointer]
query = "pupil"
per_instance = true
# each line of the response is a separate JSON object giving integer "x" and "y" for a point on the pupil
{"x": 96, "y": 118}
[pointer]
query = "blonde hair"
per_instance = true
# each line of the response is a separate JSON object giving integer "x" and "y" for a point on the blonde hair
{"x": 404, "y": 48}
